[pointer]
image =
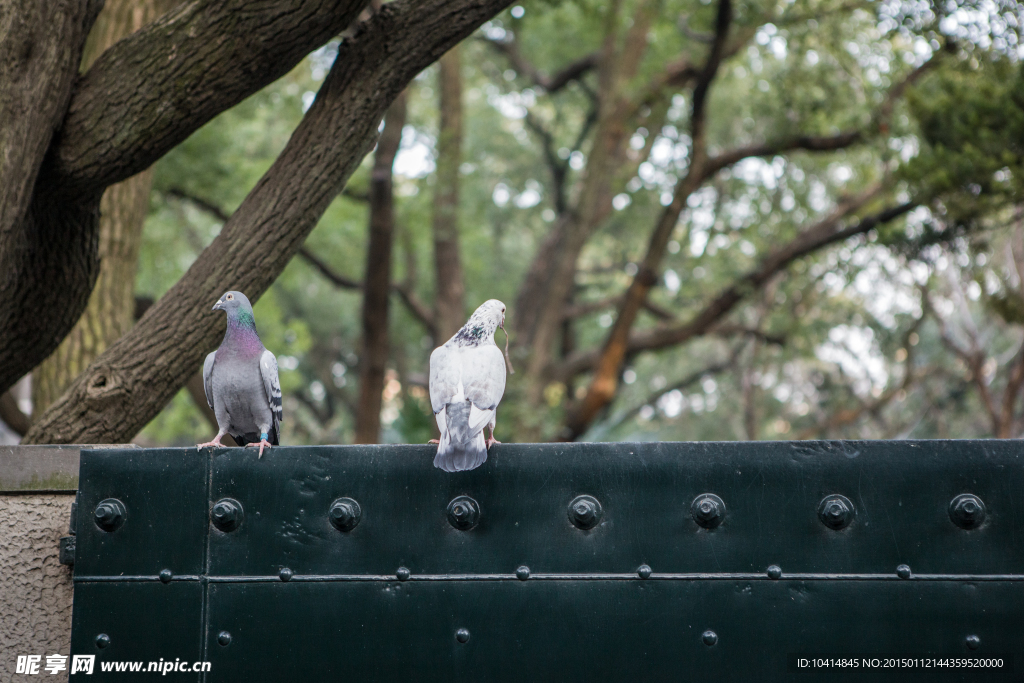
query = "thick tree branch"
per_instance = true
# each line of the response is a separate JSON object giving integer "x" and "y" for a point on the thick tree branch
{"x": 43, "y": 289}
{"x": 827, "y": 231}
{"x": 143, "y": 96}
{"x": 151, "y": 90}
{"x": 134, "y": 379}
{"x": 40, "y": 48}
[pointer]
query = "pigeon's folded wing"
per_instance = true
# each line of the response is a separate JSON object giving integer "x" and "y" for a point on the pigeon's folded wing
{"x": 444, "y": 376}
{"x": 268, "y": 368}
{"x": 483, "y": 376}
{"x": 208, "y": 376}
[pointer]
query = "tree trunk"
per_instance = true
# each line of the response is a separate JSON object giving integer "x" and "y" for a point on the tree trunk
{"x": 40, "y": 51}
{"x": 377, "y": 282}
{"x": 450, "y": 297}
{"x": 123, "y": 210}
{"x": 142, "y": 97}
{"x": 548, "y": 284}
{"x": 133, "y": 380}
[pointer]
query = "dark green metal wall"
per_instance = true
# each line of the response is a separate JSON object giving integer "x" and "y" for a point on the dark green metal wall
{"x": 646, "y": 592}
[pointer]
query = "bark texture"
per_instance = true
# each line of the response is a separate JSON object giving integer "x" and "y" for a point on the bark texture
{"x": 377, "y": 280}
{"x": 40, "y": 50}
{"x": 142, "y": 97}
{"x": 450, "y": 298}
{"x": 132, "y": 381}
{"x": 123, "y": 208}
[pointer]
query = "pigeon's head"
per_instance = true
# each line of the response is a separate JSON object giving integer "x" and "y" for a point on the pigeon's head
{"x": 491, "y": 311}
{"x": 481, "y": 326}
{"x": 233, "y": 302}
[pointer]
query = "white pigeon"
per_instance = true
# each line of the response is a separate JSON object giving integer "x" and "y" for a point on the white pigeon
{"x": 467, "y": 380}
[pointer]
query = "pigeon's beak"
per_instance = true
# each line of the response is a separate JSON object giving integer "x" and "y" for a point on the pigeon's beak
{"x": 217, "y": 306}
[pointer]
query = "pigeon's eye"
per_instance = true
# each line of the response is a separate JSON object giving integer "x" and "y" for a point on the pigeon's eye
{"x": 230, "y": 297}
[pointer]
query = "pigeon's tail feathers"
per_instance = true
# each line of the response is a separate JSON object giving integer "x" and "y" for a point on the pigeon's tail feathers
{"x": 460, "y": 457}
{"x": 461, "y": 448}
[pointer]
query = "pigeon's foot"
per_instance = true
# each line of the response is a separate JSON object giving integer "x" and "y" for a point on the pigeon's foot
{"x": 210, "y": 444}
{"x": 434, "y": 441}
{"x": 491, "y": 441}
{"x": 262, "y": 443}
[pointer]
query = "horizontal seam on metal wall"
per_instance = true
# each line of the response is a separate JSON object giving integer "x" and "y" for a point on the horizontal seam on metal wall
{"x": 341, "y": 578}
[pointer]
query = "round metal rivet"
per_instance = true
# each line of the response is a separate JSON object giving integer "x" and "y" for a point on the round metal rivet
{"x": 227, "y": 514}
{"x": 709, "y": 637}
{"x": 403, "y": 574}
{"x": 166, "y": 575}
{"x": 102, "y": 640}
{"x": 285, "y": 574}
{"x": 523, "y": 573}
{"x": 903, "y": 571}
{"x": 967, "y": 511}
{"x": 643, "y": 571}
{"x": 973, "y": 642}
{"x": 463, "y": 513}
{"x": 110, "y": 514}
{"x": 708, "y": 510}
{"x": 775, "y": 572}
{"x": 585, "y": 512}
{"x": 462, "y": 635}
{"x": 224, "y": 638}
{"x": 345, "y": 514}
{"x": 836, "y": 511}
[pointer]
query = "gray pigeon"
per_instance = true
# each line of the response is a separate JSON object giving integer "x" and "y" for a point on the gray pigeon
{"x": 467, "y": 380}
{"x": 241, "y": 381}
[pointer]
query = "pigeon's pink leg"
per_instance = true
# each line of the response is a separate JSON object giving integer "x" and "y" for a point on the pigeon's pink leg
{"x": 437, "y": 441}
{"x": 491, "y": 441}
{"x": 262, "y": 443}
{"x": 212, "y": 444}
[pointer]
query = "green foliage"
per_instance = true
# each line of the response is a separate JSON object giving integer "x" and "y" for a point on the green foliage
{"x": 836, "y": 332}
{"x": 971, "y": 118}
